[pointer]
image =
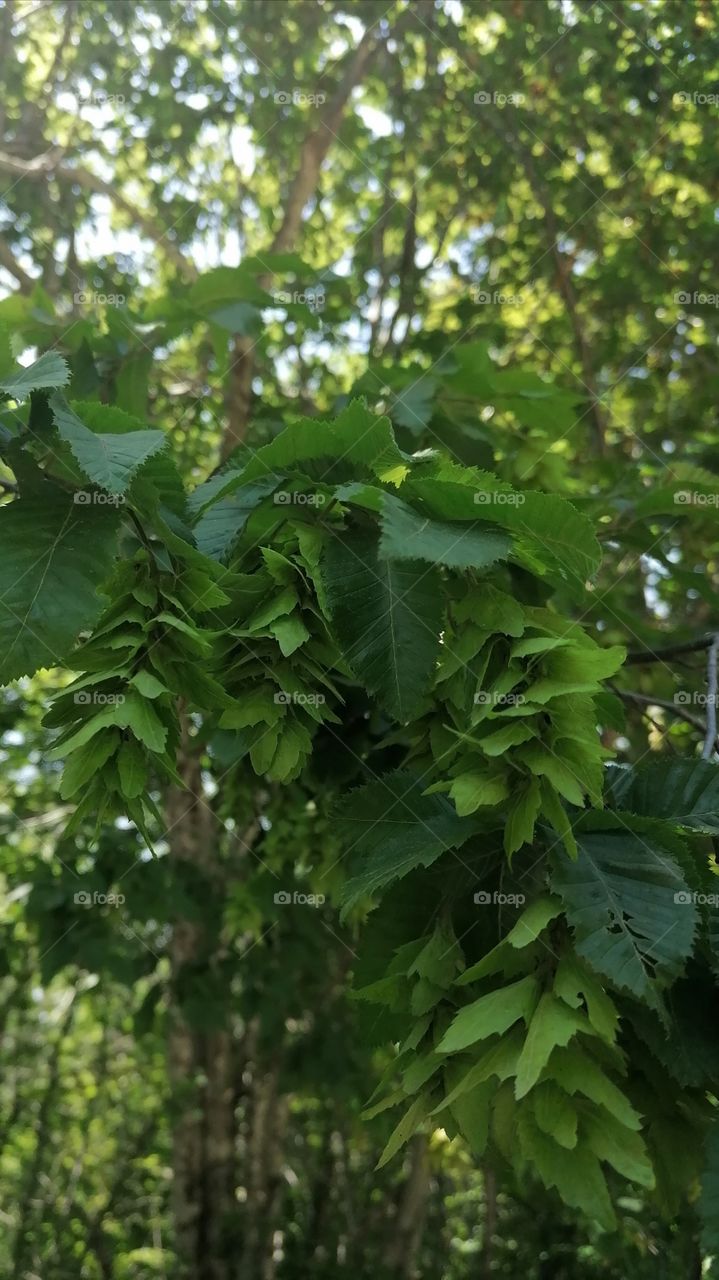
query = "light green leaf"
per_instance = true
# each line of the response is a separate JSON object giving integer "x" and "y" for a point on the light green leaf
{"x": 553, "y": 1023}
{"x": 491, "y": 1015}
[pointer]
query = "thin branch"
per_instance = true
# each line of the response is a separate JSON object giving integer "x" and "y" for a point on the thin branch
{"x": 670, "y": 651}
{"x": 49, "y": 164}
{"x": 304, "y": 184}
{"x": 646, "y": 700}
{"x": 710, "y": 740}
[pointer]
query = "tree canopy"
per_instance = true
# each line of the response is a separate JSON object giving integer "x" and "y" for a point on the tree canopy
{"x": 358, "y": 639}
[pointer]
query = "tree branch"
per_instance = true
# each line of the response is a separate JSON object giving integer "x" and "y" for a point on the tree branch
{"x": 312, "y": 153}
{"x": 670, "y": 651}
{"x": 710, "y": 741}
{"x": 49, "y": 164}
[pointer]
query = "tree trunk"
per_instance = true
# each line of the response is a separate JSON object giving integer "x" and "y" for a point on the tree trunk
{"x": 409, "y": 1224}
{"x": 200, "y": 1063}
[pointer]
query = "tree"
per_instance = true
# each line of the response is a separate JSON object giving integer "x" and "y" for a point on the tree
{"x": 331, "y": 559}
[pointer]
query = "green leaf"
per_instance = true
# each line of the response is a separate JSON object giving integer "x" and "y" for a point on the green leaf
{"x": 109, "y": 460}
{"x": 132, "y": 770}
{"x": 576, "y": 1174}
{"x": 86, "y": 762}
{"x": 553, "y": 1023}
{"x": 410, "y": 1122}
{"x": 221, "y": 524}
{"x": 492, "y": 1014}
{"x": 576, "y": 1072}
{"x": 409, "y": 536}
{"x": 391, "y": 828}
{"x": 56, "y": 553}
{"x": 471, "y": 790}
{"x": 533, "y": 921}
{"x": 682, "y": 791}
{"x": 555, "y": 1114}
{"x": 387, "y": 619}
{"x": 623, "y": 1149}
{"x": 47, "y": 372}
{"x": 521, "y": 816}
{"x": 621, "y": 899}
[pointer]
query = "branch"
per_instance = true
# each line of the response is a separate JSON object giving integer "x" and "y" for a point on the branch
{"x": 670, "y": 651}
{"x": 646, "y": 700}
{"x": 312, "y": 153}
{"x": 710, "y": 741}
{"x": 49, "y": 164}
{"x": 10, "y": 263}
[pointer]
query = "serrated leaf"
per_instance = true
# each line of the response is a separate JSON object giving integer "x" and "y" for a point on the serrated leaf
{"x": 387, "y": 619}
{"x": 391, "y": 828}
{"x": 409, "y": 536}
{"x": 620, "y": 1147}
{"x": 47, "y": 372}
{"x": 553, "y": 1023}
{"x": 682, "y": 791}
{"x": 56, "y": 553}
{"x": 620, "y": 898}
{"x": 492, "y": 1014}
{"x": 109, "y": 460}
{"x": 410, "y": 1122}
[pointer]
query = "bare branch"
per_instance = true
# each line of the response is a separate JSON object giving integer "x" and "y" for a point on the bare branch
{"x": 710, "y": 740}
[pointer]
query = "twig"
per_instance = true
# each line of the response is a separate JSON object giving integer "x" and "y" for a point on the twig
{"x": 710, "y": 740}
{"x": 671, "y": 651}
{"x": 646, "y": 700}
